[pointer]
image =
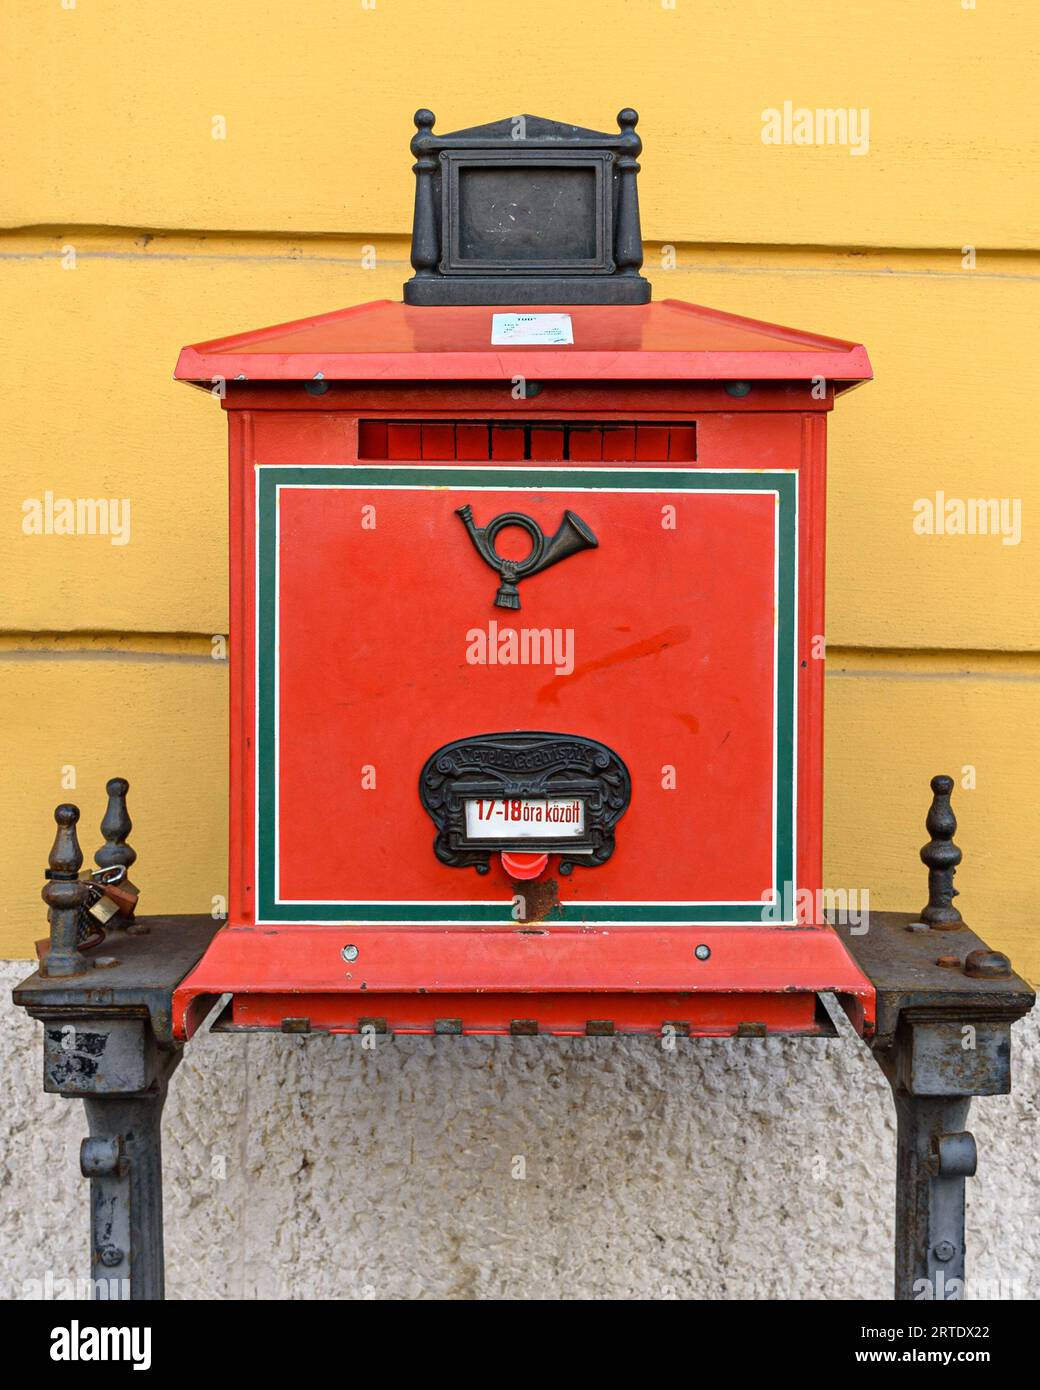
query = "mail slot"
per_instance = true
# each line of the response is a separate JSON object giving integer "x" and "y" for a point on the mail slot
{"x": 527, "y": 633}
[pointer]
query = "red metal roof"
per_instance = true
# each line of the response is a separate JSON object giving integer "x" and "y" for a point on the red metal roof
{"x": 388, "y": 341}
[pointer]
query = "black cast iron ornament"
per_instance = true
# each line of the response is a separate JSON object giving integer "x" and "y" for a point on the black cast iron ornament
{"x": 572, "y": 535}
{"x": 524, "y": 766}
{"x": 526, "y": 211}
{"x": 941, "y": 856}
{"x": 65, "y": 895}
{"x": 116, "y": 825}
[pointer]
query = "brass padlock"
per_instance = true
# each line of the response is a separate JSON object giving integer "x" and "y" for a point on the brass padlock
{"x": 110, "y": 893}
{"x": 102, "y": 909}
{"x": 122, "y": 895}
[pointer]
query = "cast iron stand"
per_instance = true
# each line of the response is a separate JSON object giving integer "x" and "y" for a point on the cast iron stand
{"x": 945, "y": 1005}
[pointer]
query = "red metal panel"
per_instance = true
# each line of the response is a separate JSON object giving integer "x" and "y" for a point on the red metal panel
{"x": 659, "y": 341}
{"x": 403, "y": 441}
{"x": 471, "y": 442}
{"x": 586, "y": 445}
{"x": 541, "y": 966}
{"x": 682, "y": 443}
{"x": 589, "y": 401}
{"x": 674, "y": 1015}
{"x": 619, "y": 444}
{"x": 812, "y": 501}
{"x": 667, "y": 657}
{"x": 241, "y": 656}
{"x": 546, "y": 444}
{"x": 651, "y": 443}
{"x": 438, "y": 441}
{"x": 506, "y": 443}
{"x": 372, "y": 439}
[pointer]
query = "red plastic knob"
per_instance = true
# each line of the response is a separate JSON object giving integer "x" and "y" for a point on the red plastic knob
{"x": 519, "y": 865}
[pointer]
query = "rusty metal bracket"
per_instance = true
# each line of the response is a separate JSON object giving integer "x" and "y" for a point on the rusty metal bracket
{"x": 111, "y": 1045}
{"x": 943, "y": 1036}
{"x": 123, "y": 1160}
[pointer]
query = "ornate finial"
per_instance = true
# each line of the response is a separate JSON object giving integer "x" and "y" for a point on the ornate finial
{"x": 628, "y": 237}
{"x": 64, "y": 895}
{"x": 116, "y": 826}
{"x": 941, "y": 856}
{"x": 426, "y": 242}
{"x": 66, "y": 857}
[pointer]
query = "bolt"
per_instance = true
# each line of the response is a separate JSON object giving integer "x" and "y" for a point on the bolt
{"x": 948, "y": 962}
{"x": 738, "y": 388}
{"x": 110, "y": 1256}
{"x": 945, "y": 1251}
{"x": 987, "y": 965}
{"x": 349, "y": 953}
{"x": 702, "y": 952}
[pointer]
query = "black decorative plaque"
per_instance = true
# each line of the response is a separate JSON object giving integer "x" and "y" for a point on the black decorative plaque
{"x": 525, "y": 767}
{"x": 526, "y": 211}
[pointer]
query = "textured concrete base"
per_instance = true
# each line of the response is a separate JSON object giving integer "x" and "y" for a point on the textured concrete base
{"x": 516, "y": 1168}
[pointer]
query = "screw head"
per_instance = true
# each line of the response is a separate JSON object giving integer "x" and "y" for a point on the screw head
{"x": 738, "y": 388}
{"x": 702, "y": 952}
{"x": 944, "y": 1251}
{"x": 110, "y": 1256}
{"x": 349, "y": 953}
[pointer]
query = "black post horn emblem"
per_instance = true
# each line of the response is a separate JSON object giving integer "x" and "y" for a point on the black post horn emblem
{"x": 573, "y": 535}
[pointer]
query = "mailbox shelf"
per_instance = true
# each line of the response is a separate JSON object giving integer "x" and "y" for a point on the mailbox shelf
{"x": 566, "y": 976}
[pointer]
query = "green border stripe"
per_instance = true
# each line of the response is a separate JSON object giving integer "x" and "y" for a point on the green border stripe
{"x": 269, "y": 479}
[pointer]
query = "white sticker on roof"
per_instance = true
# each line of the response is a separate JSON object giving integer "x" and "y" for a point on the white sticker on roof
{"x": 519, "y": 330}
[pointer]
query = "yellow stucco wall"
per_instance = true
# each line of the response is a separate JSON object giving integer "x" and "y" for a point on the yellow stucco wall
{"x": 127, "y": 230}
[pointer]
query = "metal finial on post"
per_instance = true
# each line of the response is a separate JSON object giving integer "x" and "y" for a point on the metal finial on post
{"x": 115, "y": 853}
{"x": 116, "y": 826}
{"x": 426, "y": 250}
{"x": 65, "y": 896}
{"x": 941, "y": 856}
{"x": 628, "y": 238}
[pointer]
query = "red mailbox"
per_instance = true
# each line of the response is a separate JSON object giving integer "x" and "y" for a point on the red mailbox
{"x": 526, "y": 650}
{"x": 526, "y": 700}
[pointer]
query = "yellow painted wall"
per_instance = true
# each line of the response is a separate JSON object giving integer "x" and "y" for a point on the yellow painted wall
{"x": 126, "y": 230}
